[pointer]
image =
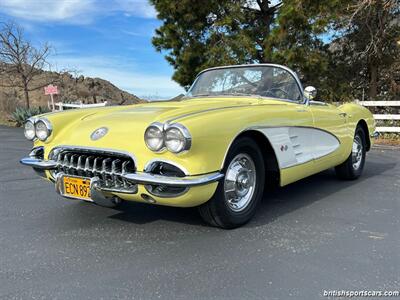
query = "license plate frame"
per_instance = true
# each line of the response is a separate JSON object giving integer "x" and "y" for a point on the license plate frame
{"x": 70, "y": 187}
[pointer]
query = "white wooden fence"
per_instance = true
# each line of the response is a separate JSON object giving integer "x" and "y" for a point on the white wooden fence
{"x": 383, "y": 116}
{"x": 61, "y": 105}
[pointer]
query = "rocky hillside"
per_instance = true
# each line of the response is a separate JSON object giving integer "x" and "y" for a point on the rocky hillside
{"x": 92, "y": 90}
{"x": 71, "y": 89}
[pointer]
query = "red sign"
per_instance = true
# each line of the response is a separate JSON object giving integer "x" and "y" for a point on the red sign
{"x": 50, "y": 90}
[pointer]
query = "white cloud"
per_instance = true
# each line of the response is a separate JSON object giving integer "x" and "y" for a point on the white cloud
{"x": 74, "y": 11}
{"x": 137, "y": 7}
{"x": 49, "y": 10}
{"x": 139, "y": 33}
{"x": 115, "y": 70}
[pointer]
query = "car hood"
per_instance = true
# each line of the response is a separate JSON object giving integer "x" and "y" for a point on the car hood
{"x": 164, "y": 111}
{"x": 126, "y": 124}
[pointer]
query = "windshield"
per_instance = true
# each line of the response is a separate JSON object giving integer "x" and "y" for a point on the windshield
{"x": 265, "y": 81}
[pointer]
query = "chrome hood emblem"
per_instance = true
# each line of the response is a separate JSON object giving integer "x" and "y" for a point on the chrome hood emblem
{"x": 99, "y": 133}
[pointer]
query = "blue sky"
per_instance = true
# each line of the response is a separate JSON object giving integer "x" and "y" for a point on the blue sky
{"x": 110, "y": 39}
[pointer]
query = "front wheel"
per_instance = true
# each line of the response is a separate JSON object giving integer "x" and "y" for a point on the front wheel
{"x": 352, "y": 168}
{"x": 239, "y": 192}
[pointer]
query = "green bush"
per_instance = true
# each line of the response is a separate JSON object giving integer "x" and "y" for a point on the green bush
{"x": 21, "y": 114}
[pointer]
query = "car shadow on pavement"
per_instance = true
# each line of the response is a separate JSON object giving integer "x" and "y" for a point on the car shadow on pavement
{"x": 142, "y": 213}
{"x": 307, "y": 191}
{"x": 276, "y": 202}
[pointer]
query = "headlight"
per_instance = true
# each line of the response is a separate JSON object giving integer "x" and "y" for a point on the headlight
{"x": 29, "y": 130}
{"x": 154, "y": 137}
{"x": 42, "y": 129}
{"x": 177, "y": 138}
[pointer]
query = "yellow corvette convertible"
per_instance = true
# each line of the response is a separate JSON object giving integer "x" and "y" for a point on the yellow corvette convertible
{"x": 237, "y": 129}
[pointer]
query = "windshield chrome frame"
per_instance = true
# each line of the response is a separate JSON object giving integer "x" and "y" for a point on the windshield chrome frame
{"x": 291, "y": 72}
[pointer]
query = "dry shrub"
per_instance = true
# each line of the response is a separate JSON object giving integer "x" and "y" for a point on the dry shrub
{"x": 8, "y": 102}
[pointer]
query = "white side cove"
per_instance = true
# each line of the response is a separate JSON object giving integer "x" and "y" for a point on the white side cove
{"x": 298, "y": 145}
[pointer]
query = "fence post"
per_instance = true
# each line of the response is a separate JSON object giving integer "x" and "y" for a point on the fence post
{"x": 393, "y": 129}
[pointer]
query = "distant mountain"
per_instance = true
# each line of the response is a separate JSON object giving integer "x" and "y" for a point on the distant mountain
{"x": 93, "y": 90}
{"x": 71, "y": 89}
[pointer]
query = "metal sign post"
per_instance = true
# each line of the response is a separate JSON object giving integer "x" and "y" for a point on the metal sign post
{"x": 51, "y": 90}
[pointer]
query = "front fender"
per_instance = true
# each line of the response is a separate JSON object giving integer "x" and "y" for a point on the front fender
{"x": 356, "y": 113}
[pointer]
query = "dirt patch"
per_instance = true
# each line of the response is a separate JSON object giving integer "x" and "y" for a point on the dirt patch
{"x": 389, "y": 141}
{"x": 5, "y": 119}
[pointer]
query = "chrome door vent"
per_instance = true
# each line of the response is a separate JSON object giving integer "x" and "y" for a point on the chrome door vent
{"x": 296, "y": 145}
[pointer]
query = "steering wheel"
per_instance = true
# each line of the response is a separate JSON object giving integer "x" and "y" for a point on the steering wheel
{"x": 271, "y": 93}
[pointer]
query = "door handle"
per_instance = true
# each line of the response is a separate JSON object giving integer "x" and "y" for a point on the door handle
{"x": 343, "y": 114}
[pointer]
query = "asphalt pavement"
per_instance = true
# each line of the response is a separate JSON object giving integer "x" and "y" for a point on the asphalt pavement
{"x": 317, "y": 234}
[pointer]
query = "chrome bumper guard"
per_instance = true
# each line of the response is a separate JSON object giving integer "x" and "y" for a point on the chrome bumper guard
{"x": 139, "y": 177}
{"x": 39, "y": 163}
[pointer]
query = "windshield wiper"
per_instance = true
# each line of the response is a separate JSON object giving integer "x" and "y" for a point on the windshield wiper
{"x": 200, "y": 95}
{"x": 240, "y": 94}
{"x": 223, "y": 94}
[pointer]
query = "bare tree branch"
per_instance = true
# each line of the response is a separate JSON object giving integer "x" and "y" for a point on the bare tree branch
{"x": 21, "y": 61}
{"x": 374, "y": 26}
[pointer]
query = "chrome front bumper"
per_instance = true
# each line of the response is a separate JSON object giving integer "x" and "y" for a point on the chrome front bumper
{"x": 39, "y": 163}
{"x": 138, "y": 177}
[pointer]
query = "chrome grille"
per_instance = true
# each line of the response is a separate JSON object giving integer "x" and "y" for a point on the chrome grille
{"x": 108, "y": 167}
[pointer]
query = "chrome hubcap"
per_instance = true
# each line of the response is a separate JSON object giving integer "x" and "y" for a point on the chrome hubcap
{"x": 357, "y": 152}
{"x": 240, "y": 182}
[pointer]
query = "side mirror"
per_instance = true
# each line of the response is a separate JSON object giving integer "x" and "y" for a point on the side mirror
{"x": 310, "y": 93}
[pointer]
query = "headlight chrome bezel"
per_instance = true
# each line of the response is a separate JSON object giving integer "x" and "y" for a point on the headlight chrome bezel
{"x": 186, "y": 138}
{"x": 47, "y": 126}
{"x": 34, "y": 122}
{"x": 160, "y": 127}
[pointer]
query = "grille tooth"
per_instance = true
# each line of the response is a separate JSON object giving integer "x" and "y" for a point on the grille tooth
{"x": 106, "y": 165}
{"x": 96, "y": 170}
{"x": 89, "y": 167}
{"x": 59, "y": 162}
{"x": 74, "y": 164}
{"x": 116, "y": 171}
{"x": 114, "y": 166}
{"x": 87, "y": 163}
{"x": 66, "y": 160}
{"x": 83, "y": 164}
{"x": 124, "y": 167}
{"x": 71, "y": 160}
{"x": 79, "y": 166}
{"x": 79, "y": 163}
{"x": 105, "y": 169}
{"x": 66, "y": 163}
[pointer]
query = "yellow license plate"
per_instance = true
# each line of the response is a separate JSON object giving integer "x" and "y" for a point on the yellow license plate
{"x": 77, "y": 187}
